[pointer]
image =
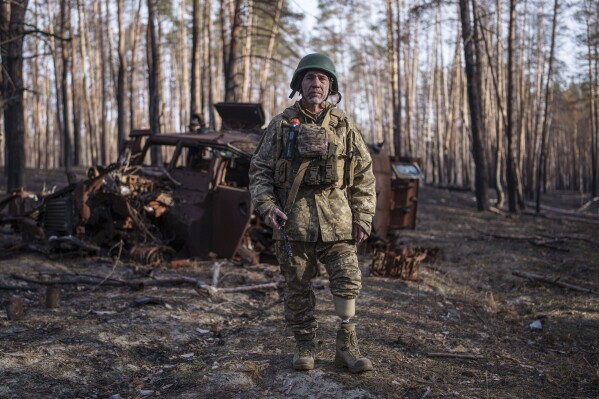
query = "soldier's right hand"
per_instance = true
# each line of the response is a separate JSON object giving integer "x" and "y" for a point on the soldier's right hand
{"x": 277, "y": 219}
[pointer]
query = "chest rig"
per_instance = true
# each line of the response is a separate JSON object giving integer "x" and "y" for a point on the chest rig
{"x": 321, "y": 156}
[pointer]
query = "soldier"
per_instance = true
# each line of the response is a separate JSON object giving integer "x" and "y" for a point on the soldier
{"x": 311, "y": 180}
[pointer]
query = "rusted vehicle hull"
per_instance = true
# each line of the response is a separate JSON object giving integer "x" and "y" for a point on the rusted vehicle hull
{"x": 397, "y": 184}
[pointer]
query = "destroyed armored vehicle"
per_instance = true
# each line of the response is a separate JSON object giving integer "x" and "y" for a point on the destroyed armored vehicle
{"x": 195, "y": 204}
{"x": 204, "y": 208}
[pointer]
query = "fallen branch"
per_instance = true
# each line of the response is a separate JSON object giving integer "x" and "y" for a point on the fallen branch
{"x": 137, "y": 284}
{"x": 574, "y": 238}
{"x": 573, "y": 218}
{"x": 592, "y": 203}
{"x": 134, "y": 283}
{"x": 248, "y": 287}
{"x": 116, "y": 262}
{"x": 547, "y": 244}
{"x": 543, "y": 279}
{"x": 17, "y": 288}
{"x": 534, "y": 240}
{"x": 455, "y": 355}
{"x": 504, "y": 236}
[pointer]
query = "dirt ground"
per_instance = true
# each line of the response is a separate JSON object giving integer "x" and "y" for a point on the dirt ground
{"x": 172, "y": 342}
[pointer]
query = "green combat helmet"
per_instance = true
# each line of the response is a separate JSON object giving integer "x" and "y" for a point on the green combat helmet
{"x": 310, "y": 62}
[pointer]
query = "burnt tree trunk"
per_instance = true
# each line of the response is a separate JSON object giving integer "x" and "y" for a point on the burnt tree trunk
{"x": 75, "y": 101}
{"x": 474, "y": 102}
{"x": 196, "y": 55}
{"x": 542, "y": 166}
{"x": 230, "y": 61}
{"x": 64, "y": 86}
{"x": 12, "y": 18}
{"x": 121, "y": 81}
{"x": 154, "y": 84}
{"x": 392, "y": 54}
{"x": 511, "y": 113}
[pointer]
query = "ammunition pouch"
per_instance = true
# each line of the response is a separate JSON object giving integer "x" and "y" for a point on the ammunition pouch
{"x": 348, "y": 170}
{"x": 312, "y": 141}
{"x": 323, "y": 171}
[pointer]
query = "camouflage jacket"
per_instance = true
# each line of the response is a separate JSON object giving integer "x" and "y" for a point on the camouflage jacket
{"x": 328, "y": 211}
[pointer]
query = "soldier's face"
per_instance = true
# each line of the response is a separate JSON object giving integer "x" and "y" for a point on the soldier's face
{"x": 315, "y": 87}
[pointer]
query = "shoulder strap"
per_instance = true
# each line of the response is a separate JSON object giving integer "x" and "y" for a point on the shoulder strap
{"x": 296, "y": 184}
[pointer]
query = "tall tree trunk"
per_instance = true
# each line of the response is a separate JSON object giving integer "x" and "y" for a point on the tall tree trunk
{"x": 592, "y": 39}
{"x": 37, "y": 112}
{"x": 135, "y": 33}
{"x": 184, "y": 106}
{"x": 478, "y": 152}
{"x": 247, "y": 52}
{"x": 196, "y": 56}
{"x": 542, "y": 166}
{"x": 121, "y": 81}
{"x": 88, "y": 96}
{"x": 64, "y": 85}
{"x": 102, "y": 65}
{"x": 154, "y": 84}
{"x": 230, "y": 62}
{"x": 264, "y": 71}
{"x": 209, "y": 56}
{"x": 399, "y": 147}
{"x": 500, "y": 120}
{"x": 393, "y": 75}
{"x": 12, "y": 19}
{"x": 75, "y": 100}
{"x": 511, "y": 114}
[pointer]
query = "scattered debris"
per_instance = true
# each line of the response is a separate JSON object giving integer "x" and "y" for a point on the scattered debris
{"x": 147, "y": 300}
{"x": 491, "y": 303}
{"x": 536, "y": 325}
{"x": 404, "y": 265}
{"x": 555, "y": 281}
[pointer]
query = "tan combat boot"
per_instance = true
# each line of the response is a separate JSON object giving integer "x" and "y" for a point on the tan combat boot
{"x": 347, "y": 353}
{"x": 305, "y": 350}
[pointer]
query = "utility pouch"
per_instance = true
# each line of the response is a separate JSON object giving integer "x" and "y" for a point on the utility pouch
{"x": 348, "y": 173}
{"x": 282, "y": 172}
{"x": 312, "y": 141}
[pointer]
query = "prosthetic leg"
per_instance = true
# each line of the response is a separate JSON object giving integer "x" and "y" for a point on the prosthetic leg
{"x": 347, "y": 353}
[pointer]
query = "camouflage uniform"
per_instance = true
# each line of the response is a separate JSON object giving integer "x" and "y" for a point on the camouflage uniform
{"x": 320, "y": 223}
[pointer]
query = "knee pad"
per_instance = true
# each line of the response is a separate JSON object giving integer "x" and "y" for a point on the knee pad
{"x": 344, "y": 308}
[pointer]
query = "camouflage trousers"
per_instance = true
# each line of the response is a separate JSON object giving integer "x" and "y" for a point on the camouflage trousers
{"x": 341, "y": 263}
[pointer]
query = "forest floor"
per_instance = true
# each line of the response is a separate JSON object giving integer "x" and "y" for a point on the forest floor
{"x": 106, "y": 342}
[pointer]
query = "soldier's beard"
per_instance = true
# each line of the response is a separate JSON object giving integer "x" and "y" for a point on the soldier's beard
{"x": 315, "y": 99}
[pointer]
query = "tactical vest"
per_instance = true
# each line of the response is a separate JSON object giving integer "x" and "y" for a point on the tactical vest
{"x": 335, "y": 164}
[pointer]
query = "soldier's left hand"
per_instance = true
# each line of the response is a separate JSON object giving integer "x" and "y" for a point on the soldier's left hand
{"x": 359, "y": 234}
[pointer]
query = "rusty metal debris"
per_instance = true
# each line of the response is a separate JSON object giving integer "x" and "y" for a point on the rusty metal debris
{"x": 403, "y": 263}
{"x": 195, "y": 204}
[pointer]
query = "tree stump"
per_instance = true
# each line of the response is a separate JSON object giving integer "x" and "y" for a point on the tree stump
{"x": 15, "y": 309}
{"x": 52, "y": 297}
